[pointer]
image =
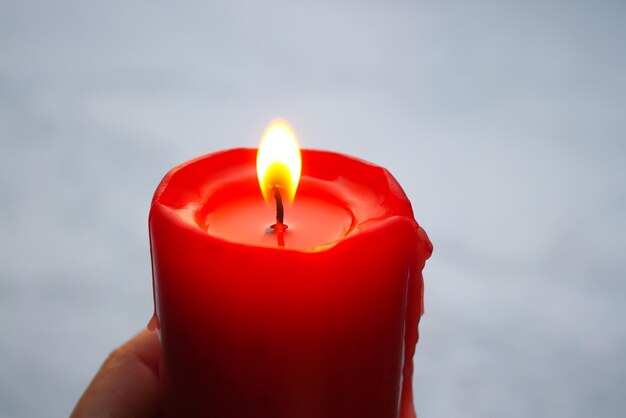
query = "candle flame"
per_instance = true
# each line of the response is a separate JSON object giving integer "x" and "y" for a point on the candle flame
{"x": 278, "y": 161}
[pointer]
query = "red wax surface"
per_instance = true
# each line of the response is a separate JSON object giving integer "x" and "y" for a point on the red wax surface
{"x": 313, "y": 222}
{"x": 322, "y": 327}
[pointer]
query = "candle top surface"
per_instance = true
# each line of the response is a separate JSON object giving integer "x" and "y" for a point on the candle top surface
{"x": 218, "y": 194}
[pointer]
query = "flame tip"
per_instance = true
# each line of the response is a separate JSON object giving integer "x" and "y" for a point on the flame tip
{"x": 279, "y": 161}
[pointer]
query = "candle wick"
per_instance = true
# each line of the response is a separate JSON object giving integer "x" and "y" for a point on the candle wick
{"x": 280, "y": 238}
{"x": 280, "y": 210}
{"x": 279, "y": 227}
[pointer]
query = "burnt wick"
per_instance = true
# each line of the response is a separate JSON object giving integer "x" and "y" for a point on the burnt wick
{"x": 280, "y": 210}
{"x": 279, "y": 227}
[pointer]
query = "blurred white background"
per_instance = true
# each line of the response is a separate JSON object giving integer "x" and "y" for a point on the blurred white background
{"x": 503, "y": 120}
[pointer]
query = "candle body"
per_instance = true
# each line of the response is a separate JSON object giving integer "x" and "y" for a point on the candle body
{"x": 253, "y": 330}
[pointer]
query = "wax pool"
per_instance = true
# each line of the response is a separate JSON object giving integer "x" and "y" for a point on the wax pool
{"x": 323, "y": 325}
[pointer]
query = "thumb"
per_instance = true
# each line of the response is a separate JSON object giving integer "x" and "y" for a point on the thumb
{"x": 127, "y": 383}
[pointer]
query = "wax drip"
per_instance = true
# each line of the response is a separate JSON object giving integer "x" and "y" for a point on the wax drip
{"x": 414, "y": 311}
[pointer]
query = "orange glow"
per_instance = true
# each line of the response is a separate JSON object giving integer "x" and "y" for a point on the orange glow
{"x": 278, "y": 162}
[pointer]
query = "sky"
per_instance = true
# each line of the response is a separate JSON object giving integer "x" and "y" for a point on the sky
{"x": 503, "y": 121}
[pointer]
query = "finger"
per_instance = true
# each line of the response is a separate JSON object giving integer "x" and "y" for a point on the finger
{"x": 127, "y": 383}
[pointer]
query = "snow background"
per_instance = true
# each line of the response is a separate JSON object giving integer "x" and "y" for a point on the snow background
{"x": 503, "y": 120}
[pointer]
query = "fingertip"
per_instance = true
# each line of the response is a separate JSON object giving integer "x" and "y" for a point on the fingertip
{"x": 145, "y": 345}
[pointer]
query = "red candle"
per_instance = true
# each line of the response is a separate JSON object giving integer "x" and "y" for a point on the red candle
{"x": 314, "y": 318}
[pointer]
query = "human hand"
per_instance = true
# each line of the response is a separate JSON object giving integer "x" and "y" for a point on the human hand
{"x": 127, "y": 383}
